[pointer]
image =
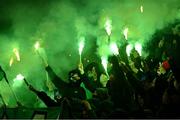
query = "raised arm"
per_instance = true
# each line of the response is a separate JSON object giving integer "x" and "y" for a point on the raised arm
{"x": 132, "y": 79}
{"x": 85, "y": 79}
{"x": 58, "y": 82}
{"x": 44, "y": 97}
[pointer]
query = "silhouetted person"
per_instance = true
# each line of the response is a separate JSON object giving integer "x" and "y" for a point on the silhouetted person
{"x": 73, "y": 88}
{"x": 119, "y": 88}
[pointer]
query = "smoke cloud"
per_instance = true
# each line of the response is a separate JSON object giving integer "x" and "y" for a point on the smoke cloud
{"x": 58, "y": 25}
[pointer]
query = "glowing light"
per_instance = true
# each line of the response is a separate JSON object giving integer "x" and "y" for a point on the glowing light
{"x": 19, "y": 77}
{"x": 108, "y": 26}
{"x": 81, "y": 45}
{"x": 138, "y": 47}
{"x": 104, "y": 63}
{"x": 129, "y": 47}
{"x": 114, "y": 48}
{"x": 125, "y": 32}
{"x": 142, "y": 9}
{"x": 16, "y": 52}
{"x": 11, "y": 61}
{"x": 37, "y": 45}
{"x": 18, "y": 81}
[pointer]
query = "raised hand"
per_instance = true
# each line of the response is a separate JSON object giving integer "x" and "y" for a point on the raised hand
{"x": 81, "y": 68}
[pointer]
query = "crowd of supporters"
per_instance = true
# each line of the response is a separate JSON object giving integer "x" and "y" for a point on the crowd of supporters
{"x": 133, "y": 87}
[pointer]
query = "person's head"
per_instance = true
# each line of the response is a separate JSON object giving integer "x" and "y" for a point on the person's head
{"x": 74, "y": 76}
{"x": 104, "y": 79}
{"x": 113, "y": 63}
{"x": 161, "y": 69}
{"x": 116, "y": 71}
{"x": 134, "y": 54}
{"x": 93, "y": 70}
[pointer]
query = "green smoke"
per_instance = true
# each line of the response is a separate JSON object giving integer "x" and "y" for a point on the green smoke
{"x": 58, "y": 24}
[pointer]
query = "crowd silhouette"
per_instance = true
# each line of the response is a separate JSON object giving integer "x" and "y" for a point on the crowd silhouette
{"x": 135, "y": 87}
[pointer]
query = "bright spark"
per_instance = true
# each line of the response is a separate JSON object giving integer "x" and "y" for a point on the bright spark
{"x": 125, "y": 32}
{"x": 11, "y": 61}
{"x": 104, "y": 63}
{"x": 18, "y": 81}
{"x": 81, "y": 45}
{"x": 129, "y": 47}
{"x": 142, "y": 9}
{"x": 19, "y": 77}
{"x": 114, "y": 48}
{"x": 138, "y": 47}
{"x": 37, "y": 45}
{"x": 16, "y": 52}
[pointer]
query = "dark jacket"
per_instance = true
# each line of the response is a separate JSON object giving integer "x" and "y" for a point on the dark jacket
{"x": 119, "y": 88}
{"x": 71, "y": 90}
{"x": 47, "y": 100}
